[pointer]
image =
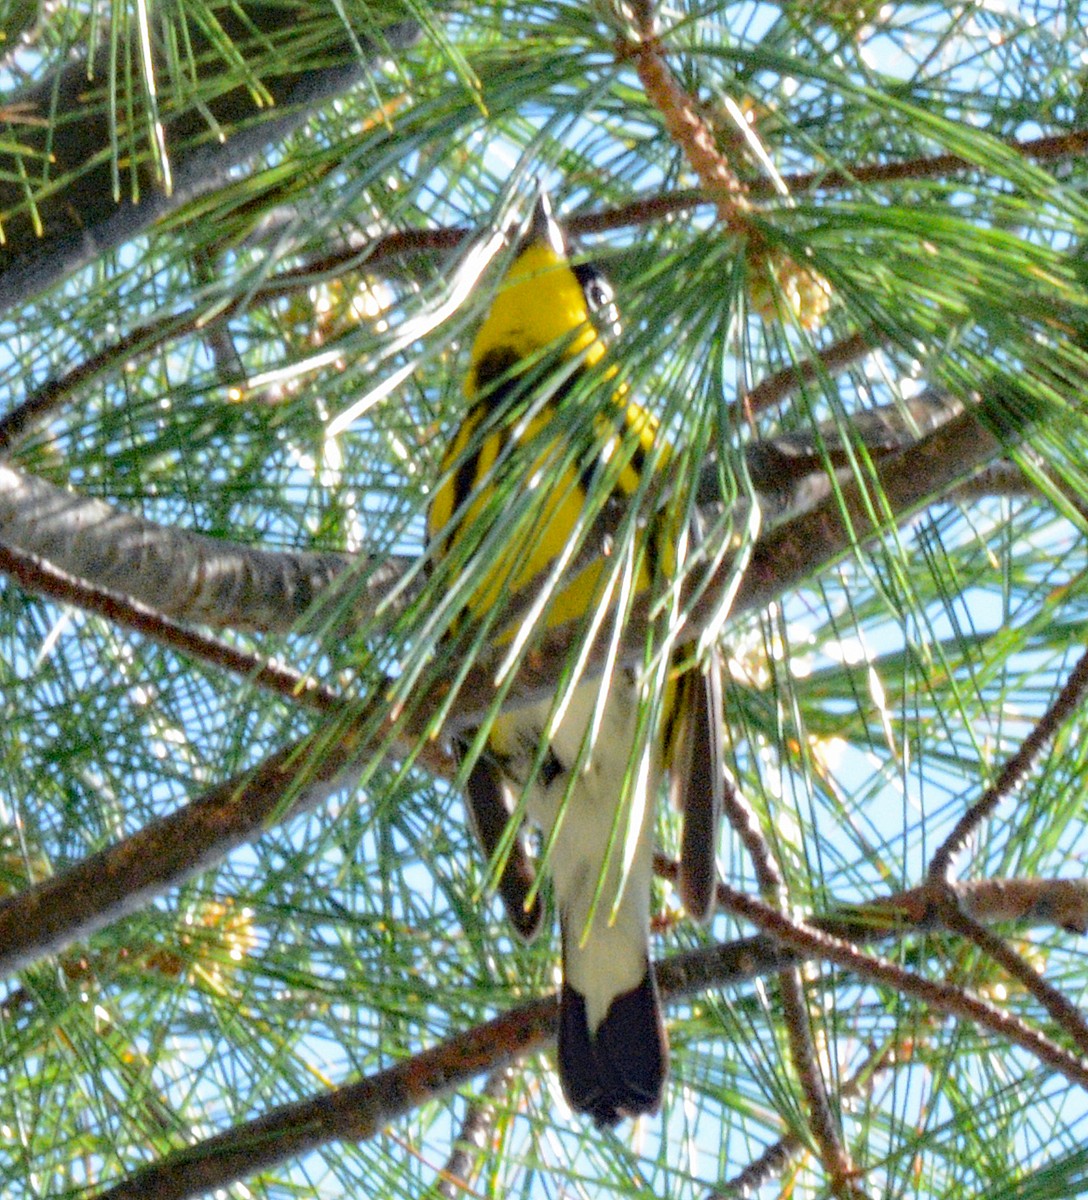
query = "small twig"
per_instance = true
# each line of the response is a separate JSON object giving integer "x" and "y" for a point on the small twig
{"x": 947, "y": 900}
{"x": 39, "y": 577}
{"x": 1063, "y": 1012}
{"x": 470, "y": 1145}
{"x": 833, "y": 1154}
{"x": 773, "y": 1161}
{"x": 771, "y": 1164}
{"x": 47, "y": 399}
{"x": 838, "y": 1165}
{"x": 224, "y": 353}
{"x": 1012, "y": 774}
{"x": 745, "y": 824}
{"x": 1042, "y": 149}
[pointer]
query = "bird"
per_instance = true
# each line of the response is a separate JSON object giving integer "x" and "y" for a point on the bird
{"x": 551, "y": 324}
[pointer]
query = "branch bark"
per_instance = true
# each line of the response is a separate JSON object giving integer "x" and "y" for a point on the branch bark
{"x": 52, "y": 230}
{"x": 183, "y": 575}
{"x": 360, "y": 1110}
{"x": 202, "y": 580}
{"x": 116, "y": 881}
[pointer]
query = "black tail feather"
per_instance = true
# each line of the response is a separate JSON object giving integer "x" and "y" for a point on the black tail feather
{"x": 618, "y": 1071}
{"x": 486, "y": 803}
{"x": 697, "y": 787}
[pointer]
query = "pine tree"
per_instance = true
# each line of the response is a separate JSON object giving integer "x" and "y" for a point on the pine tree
{"x": 247, "y": 936}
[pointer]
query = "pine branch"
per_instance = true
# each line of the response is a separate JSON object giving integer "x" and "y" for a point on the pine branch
{"x": 194, "y": 578}
{"x": 120, "y": 879}
{"x": 51, "y": 232}
{"x": 182, "y": 575}
{"x": 359, "y": 1111}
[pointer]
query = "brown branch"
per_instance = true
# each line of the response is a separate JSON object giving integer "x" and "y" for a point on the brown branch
{"x": 944, "y": 897}
{"x": 470, "y": 1145}
{"x": 361, "y": 1110}
{"x": 1048, "y": 148}
{"x": 119, "y": 880}
{"x": 1029, "y": 903}
{"x": 943, "y": 997}
{"x": 1064, "y": 1013}
{"x": 934, "y": 166}
{"x": 124, "y": 877}
{"x": 128, "y": 875}
{"x": 39, "y": 577}
{"x": 47, "y": 399}
{"x": 837, "y": 1163}
{"x": 771, "y": 1164}
{"x": 353, "y": 1113}
{"x": 745, "y": 824}
{"x": 114, "y": 882}
{"x": 687, "y": 127}
{"x": 771, "y": 882}
{"x": 1012, "y": 774}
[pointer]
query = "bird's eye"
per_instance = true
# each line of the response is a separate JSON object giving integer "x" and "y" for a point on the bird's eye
{"x": 598, "y": 294}
{"x": 594, "y": 286}
{"x": 600, "y": 299}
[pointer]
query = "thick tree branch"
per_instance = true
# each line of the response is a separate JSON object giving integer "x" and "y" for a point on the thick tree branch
{"x": 52, "y": 231}
{"x": 182, "y": 575}
{"x": 116, "y": 881}
{"x": 209, "y": 581}
{"x": 791, "y": 552}
{"x": 360, "y": 1111}
{"x": 122, "y": 879}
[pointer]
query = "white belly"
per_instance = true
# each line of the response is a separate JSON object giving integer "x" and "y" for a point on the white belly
{"x": 605, "y": 945}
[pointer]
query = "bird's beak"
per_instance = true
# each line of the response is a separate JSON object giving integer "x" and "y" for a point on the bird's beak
{"x": 543, "y": 227}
